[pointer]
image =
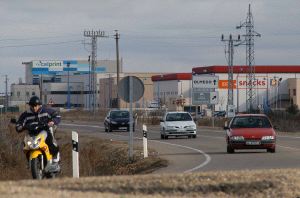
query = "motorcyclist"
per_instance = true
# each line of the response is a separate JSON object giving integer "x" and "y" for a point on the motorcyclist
{"x": 45, "y": 117}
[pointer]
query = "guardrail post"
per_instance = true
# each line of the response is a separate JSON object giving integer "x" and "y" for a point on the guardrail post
{"x": 75, "y": 156}
{"x": 145, "y": 144}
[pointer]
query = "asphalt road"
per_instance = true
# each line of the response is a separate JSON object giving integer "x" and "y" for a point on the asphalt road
{"x": 205, "y": 153}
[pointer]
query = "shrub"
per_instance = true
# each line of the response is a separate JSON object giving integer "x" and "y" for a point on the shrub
{"x": 293, "y": 109}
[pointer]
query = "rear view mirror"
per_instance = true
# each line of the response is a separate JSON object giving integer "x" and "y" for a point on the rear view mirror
{"x": 226, "y": 128}
{"x": 13, "y": 120}
{"x": 161, "y": 120}
{"x": 276, "y": 127}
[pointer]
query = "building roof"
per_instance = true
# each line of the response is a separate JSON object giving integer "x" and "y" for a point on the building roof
{"x": 173, "y": 76}
{"x": 244, "y": 69}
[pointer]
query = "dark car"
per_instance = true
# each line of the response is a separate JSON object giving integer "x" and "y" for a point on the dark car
{"x": 250, "y": 131}
{"x": 117, "y": 119}
{"x": 219, "y": 113}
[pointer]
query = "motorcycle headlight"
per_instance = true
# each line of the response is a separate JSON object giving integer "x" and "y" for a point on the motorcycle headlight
{"x": 268, "y": 137}
{"x": 34, "y": 144}
{"x": 237, "y": 138}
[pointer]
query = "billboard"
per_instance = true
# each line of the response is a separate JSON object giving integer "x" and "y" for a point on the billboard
{"x": 241, "y": 83}
{"x": 58, "y": 67}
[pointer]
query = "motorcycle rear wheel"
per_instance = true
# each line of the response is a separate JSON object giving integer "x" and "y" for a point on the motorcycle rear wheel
{"x": 36, "y": 169}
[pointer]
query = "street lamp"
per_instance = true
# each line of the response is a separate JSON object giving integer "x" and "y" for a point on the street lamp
{"x": 238, "y": 91}
{"x": 69, "y": 96}
{"x": 278, "y": 84}
{"x": 267, "y": 90}
{"x": 277, "y": 90}
{"x": 144, "y": 93}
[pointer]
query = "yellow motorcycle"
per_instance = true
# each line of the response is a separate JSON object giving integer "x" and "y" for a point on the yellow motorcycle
{"x": 37, "y": 152}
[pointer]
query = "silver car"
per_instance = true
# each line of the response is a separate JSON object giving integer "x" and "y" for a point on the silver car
{"x": 177, "y": 124}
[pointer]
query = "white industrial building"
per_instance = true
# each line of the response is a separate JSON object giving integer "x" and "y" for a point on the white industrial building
{"x": 51, "y": 76}
{"x": 272, "y": 86}
{"x": 173, "y": 90}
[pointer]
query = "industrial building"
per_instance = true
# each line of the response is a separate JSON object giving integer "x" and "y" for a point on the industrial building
{"x": 54, "y": 81}
{"x": 108, "y": 91}
{"x": 53, "y": 77}
{"x": 173, "y": 90}
{"x": 275, "y": 86}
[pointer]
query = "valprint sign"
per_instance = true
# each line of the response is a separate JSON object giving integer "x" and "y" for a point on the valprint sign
{"x": 47, "y": 64}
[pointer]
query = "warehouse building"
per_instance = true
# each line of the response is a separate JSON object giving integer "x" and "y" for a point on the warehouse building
{"x": 276, "y": 87}
{"x": 50, "y": 80}
{"x": 53, "y": 76}
{"x": 173, "y": 90}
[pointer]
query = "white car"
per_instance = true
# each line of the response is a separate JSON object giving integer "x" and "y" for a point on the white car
{"x": 177, "y": 124}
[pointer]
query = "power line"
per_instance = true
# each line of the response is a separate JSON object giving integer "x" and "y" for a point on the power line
{"x": 230, "y": 52}
{"x": 94, "y": 35}
{"x": 40, "y": 44}
{"x": 249, "y": 42}
{"x": 36, "y": 38}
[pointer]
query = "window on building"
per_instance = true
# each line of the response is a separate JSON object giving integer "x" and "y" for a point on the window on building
{"x": 294, "y": 92}
{"x": 18, "y": 93}
{"x": 27, "y": 94}
{"x": 33, "y": 93}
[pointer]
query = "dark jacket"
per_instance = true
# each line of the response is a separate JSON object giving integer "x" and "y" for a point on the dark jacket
{"x": 41, "y": 119}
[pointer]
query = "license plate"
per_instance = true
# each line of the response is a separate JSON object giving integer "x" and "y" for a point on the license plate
{"x": 253, "y": 143}
{"x": 122, "y": 127}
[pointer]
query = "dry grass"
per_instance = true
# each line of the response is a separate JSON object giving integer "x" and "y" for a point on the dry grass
{"x": 104, "y": 157}
{"x": 258, "y": 184}
{"x": 97, "y": 156}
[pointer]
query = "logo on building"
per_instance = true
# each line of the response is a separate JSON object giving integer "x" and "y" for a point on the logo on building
{"x": 47, "y": 64}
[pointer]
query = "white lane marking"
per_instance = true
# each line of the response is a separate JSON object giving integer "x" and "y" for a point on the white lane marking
{"x": 207, "y": 157}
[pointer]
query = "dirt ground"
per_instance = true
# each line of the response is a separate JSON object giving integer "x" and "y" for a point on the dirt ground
{"x": 262, "y": 183}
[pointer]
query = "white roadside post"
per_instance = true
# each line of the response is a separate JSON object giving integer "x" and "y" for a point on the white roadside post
{"x": 145, "y": 144}
{"x": 75, "y": 157}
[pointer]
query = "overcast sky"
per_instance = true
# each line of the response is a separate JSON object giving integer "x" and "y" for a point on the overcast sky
{"x": 156, "y": 35}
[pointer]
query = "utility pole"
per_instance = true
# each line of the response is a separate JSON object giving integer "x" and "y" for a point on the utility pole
{"x": 94, "y": 35}
{"x": 249, "y": 42}
{"x": 89, "y": 86}
{"x": 117, "y": 37}
{"x": 230, "y": 52}
{"x": 68, "y": 96}
{"x": 6, "y": 93}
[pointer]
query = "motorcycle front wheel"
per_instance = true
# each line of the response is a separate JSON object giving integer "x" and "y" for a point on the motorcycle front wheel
{"x": 36, "y": 168}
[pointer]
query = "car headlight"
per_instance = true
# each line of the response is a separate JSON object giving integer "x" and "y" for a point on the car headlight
{"x": 34, "y": 144}
{"x": 191, "y": 126}
{"x": 270, "y": 137}
{"x": 237, "y": 138}
{"x": 113, "y": 122}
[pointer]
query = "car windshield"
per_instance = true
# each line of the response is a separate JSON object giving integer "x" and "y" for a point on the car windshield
{"x": 119, "y": 114}
{"x": 178, "y": 117}
{"x": 251, "y": 122}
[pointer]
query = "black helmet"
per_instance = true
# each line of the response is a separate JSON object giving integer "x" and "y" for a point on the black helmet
{"x": 34, "y": 100}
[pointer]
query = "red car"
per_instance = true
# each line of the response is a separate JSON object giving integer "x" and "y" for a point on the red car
{"x": 250, "y": 131}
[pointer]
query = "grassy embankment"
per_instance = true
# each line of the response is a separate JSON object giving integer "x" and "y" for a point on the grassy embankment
{"x": 97, "y": 156}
